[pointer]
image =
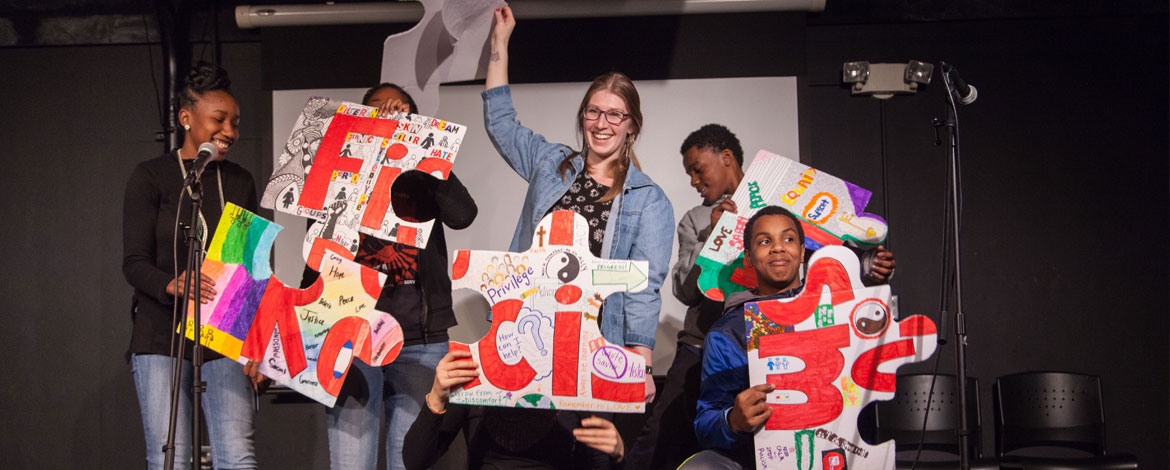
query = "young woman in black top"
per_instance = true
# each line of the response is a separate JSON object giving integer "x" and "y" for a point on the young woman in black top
{"x": 154, "y": 198}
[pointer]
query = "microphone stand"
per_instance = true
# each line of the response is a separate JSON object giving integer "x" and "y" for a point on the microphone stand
{"x": 193, "y": 269}
{"x": 951, "y": 124}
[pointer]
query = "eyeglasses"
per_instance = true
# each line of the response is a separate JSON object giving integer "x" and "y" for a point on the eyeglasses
{"x": 612, "y": 116}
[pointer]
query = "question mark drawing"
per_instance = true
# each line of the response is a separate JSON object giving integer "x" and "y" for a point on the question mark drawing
{"x": 533, "y": 320}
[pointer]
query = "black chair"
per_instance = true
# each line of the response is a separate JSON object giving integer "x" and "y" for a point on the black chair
{"x": 1047, "y": 411}
{"x": 901, "y": 419}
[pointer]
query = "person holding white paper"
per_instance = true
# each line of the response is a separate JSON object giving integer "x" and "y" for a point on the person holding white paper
{"x": 630, "y": 216}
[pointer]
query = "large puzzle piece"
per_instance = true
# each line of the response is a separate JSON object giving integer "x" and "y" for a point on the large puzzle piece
{"x": 448, "y": 45}
{"x": 822, "y": 350}
{"x": 304, "y": 339}
{"x": 340, "y": 163}
{"x": 545, "y": 349}
{"x": 830, "y": 210}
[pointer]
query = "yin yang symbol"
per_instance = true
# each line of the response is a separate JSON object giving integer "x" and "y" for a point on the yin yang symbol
{"x": 565, "y": 265}
{"x": 870, "y": 318}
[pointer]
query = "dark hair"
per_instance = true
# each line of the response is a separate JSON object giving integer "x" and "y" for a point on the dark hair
{"x": 409, "y": 99}
{"x": 715, "y": 137}
{"x": 621, "y": 85}
{"x": 772, "y": 210}
{"x": 203, "y": 78}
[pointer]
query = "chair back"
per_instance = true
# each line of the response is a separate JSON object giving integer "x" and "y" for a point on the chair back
{"x": 901, "y": 418}
{"x": 1061, "y": 409}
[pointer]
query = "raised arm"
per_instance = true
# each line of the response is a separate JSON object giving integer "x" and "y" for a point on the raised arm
{"x": 522, "y": 148}
{"x": 502, "y": 26}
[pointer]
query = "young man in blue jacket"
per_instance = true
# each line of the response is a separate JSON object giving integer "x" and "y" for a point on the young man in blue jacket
{"x": 729, "y": 410}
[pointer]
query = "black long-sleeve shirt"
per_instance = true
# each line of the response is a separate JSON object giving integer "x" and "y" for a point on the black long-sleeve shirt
{"x": 502, "y": 438}
{"x": 148, "y": 223}
{"x": 425, "y": 318}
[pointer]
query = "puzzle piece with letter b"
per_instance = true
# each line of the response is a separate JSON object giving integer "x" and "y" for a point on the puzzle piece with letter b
{"x": 822, "y": 351}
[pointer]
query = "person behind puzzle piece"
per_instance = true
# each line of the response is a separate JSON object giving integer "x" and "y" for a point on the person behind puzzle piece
{"x": 417, "y": 293}
{"x": 713, "y": 159}
{"x": 729, "y": 410}
{"x": 499, "y": 437}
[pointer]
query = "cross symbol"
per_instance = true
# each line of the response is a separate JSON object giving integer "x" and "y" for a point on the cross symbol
{"x": 540, "y": 233}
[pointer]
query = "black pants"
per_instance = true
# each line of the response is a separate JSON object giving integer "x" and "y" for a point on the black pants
{"x": 668, "y": 437}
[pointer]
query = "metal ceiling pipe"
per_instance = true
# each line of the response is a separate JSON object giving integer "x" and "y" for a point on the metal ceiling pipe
{"x": 260, "y": 16}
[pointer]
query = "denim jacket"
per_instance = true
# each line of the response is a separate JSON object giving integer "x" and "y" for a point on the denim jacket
{"x": 643, "y": 229}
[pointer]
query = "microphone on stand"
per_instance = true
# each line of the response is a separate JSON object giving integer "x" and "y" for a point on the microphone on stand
{"x": 963, "y": 90}
{"x": 207, "y": 153}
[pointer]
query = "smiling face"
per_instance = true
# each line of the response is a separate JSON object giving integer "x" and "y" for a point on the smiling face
{"x": 215, "y": 118}
{"x": 605, "y": 139}
{"x": 775, "y": 251}
{"x": 712, "y": 173}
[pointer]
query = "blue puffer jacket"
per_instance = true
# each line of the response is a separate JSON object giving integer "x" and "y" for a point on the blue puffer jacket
{"x": 725, "y": 375}
{"x": 644, "y": 228}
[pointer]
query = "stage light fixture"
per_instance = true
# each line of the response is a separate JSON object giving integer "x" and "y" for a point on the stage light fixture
{"x": 883, "y": 81}
{"x": 855, "y": 72}
{"x": 919, "y": 72}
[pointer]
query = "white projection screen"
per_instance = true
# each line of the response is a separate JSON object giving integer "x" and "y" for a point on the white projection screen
{"x": 761, "y": 111}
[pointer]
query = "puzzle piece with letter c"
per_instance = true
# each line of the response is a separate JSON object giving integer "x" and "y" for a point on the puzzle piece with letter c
{"x": 544, "y": 348}
{"x": 302, "y": 338}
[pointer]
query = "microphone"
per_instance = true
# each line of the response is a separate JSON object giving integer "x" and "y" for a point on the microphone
{"x": 207, "y": 153}
{"x": 964, "y": 91}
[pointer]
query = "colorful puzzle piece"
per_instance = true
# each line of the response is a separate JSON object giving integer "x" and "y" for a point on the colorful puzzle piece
{"x": 545, "y": 349}
{"x": 340, "y": 163}
{"x": 822, "y": 350}
{"x": 830, "y": 210}
{"x": 289, "y": 331}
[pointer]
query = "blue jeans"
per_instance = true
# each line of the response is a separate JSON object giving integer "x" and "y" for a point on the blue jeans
{"x": 397, "y": 388}
{"x": 228, "y": 406}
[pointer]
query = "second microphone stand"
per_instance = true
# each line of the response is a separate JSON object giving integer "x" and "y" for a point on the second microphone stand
{"x": 951, "y": 124}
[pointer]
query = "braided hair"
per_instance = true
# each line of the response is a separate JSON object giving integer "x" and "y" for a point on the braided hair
{"x": 203, "y": 78}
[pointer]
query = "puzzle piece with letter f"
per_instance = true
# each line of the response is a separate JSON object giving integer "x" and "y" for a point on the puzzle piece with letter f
{"x": 544, "y": 348}
{"x": 830, "y": 210}
{"x": 302, "y": 338}
{"x": 822, "y": 351}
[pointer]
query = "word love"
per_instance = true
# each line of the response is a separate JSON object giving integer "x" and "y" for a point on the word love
{"x": 829, "y": 209}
